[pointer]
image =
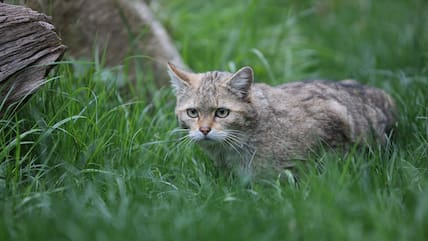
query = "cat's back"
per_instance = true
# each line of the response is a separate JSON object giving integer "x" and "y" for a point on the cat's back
{"x": 338, "y": 112}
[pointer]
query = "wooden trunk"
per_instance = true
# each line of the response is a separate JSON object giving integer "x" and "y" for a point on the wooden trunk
{"x": 125, "y": 32}
{"x": 29, "y": 47}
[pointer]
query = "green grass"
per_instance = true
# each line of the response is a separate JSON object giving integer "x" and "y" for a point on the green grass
{"x": 83, "y": 160}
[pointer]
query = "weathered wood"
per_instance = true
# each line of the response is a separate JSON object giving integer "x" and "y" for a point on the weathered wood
{"x": 124, "y": 31}
{"x": 28, "y": 48}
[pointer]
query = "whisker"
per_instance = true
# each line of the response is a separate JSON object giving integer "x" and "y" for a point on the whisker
{"x": 181, "y": 142}
{"x": 232, "y": 145}
{"x": 236, "y": 132}
{"x": 239, "y": 141}
{"x": 235, "y": 139}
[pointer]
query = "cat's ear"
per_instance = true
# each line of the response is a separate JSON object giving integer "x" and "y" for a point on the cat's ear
{"x": 179, "y": 78}
{"x": 241, "y": 81}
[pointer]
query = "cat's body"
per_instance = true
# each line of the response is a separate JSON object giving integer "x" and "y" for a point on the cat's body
{"x": 258, "y": 127}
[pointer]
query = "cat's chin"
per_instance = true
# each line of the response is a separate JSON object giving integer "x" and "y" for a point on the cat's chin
{"x": 213, "y": 137}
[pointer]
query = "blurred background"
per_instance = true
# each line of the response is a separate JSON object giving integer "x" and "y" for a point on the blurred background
{"x": 282, "y": 40}
{"x": 289, "y": 40}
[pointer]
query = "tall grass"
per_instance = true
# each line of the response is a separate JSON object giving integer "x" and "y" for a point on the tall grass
{"x": 85, "y": 160}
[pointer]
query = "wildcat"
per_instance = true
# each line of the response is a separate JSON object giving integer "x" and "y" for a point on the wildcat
{"x": 255, "y": 128}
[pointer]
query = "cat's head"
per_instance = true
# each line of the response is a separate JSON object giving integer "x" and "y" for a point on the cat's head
{"x": 215, "y": 105}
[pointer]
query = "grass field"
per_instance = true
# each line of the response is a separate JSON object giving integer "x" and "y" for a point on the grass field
{"x": 83, "y": 160}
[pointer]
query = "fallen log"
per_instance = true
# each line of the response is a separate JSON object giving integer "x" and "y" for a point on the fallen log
{"x": 29, "y": 48}
{"x": 126, "y": 32}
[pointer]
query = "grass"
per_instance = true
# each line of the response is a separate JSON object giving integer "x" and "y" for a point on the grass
{"x": 83, "y": 160}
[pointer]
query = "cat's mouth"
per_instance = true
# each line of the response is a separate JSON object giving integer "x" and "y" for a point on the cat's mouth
{"x": 207, "y": 138}
{"x": 212, "y": 136}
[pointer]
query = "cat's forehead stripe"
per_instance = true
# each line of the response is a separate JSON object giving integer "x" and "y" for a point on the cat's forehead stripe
{"x": 207, "y": 91}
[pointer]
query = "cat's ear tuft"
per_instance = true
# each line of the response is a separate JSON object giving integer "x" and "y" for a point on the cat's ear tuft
{"x": 241, "y": 81}
{"x": 179, "y": 78}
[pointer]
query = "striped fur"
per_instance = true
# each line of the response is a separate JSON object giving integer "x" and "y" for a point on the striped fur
{"x": 268, "y": 128}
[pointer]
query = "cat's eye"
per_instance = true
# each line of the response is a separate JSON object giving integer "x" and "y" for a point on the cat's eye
{"x": 222, "y": 112}
{"x": 192, "y": 112}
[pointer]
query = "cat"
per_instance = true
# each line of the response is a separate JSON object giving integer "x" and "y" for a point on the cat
{"x": 254, "y": 128}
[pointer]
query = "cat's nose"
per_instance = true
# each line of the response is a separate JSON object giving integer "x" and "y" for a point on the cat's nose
{"x": 205, "y": 130}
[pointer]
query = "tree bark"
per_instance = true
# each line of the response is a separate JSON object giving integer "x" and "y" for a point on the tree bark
{"x": 29, "y": 47}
